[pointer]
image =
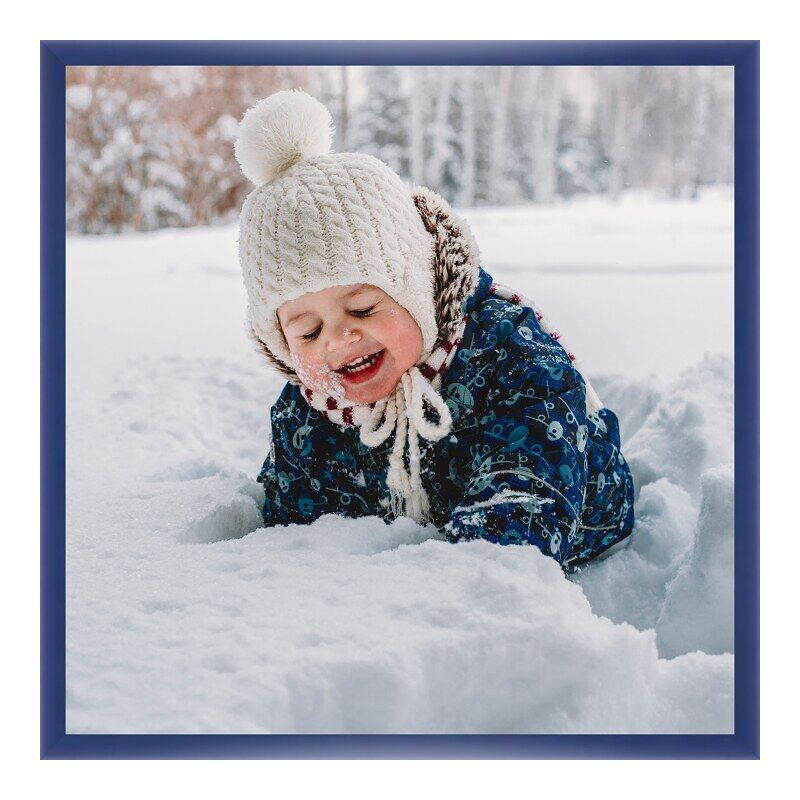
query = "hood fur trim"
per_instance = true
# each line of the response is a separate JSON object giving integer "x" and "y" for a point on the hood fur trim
{"x": 455, "y": 268}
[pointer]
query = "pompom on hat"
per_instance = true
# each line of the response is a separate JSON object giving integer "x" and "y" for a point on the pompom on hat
{"x": 280, "y": 130}
{"x": 318, "y": 219}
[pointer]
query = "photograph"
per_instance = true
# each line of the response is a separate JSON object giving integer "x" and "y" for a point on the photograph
{"x": 399, "y": 399}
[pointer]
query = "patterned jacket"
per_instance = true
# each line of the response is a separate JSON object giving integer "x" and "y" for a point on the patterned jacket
{"x": 523, "y": 464}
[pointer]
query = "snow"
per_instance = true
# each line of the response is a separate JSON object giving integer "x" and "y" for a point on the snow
{"x": 183, "y": 615}
{"x": 677, "y": 577}
{"x": 320, "y": 377}
{"x": 79, "y": 97}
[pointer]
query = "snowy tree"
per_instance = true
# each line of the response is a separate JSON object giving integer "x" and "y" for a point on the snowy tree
{"x": 687, "y": 130}
{"x": 717, "y": 156}
{"x": 518, "y": 158}
{"x": 381, "y": 126}
{"x": 579, "y": 159}
{"x": 621, "y": 114}
{"x": 496, "y": 185}
{"x": 331, "y": 86}
{"x": 121, "y": 174}
{"x": 149, "y": 147}
{"x": 417, "y": 105}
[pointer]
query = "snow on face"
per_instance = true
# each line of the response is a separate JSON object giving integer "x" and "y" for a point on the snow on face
{"x": 319, "y": 376}
{"x": 326, "y": 328}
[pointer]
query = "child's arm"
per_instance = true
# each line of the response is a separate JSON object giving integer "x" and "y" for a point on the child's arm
{"x": 289, "y": 493}
{"x": 529, "y": 472}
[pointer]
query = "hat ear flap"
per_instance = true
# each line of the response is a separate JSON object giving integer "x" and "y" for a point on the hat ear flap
{"x": 282, "y": 368}
{"x": 455, "y": 260}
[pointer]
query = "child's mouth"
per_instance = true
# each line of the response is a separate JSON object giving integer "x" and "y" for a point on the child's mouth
{"x": 364, "y": 370}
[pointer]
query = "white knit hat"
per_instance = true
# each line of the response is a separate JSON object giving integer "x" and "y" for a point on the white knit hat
{"x": 318, "y": 219}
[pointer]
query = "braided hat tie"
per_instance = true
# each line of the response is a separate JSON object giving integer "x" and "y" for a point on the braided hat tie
{"x": 403, "y": 413}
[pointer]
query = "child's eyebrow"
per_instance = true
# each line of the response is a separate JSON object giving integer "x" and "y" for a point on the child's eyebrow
{"x": 352, "y": 292}
{"x": 296, "y": 317}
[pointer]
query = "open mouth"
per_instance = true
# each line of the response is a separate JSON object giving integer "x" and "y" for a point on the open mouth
{"x": 363, "y": 368}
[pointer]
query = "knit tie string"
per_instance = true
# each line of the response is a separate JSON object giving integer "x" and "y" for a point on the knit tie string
{"x": 403, "y": 411}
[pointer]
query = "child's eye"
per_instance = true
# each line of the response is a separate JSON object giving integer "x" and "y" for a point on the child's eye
{"x": 365, "y": 313}
{"x": 309, "y": 337}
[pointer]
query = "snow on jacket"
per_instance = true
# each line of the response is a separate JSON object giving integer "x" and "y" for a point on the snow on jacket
{"x": 523, "y": 463}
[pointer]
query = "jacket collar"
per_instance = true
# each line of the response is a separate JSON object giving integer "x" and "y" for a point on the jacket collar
{"x": 485, "y": 281}
{"x": 459, "y": 282}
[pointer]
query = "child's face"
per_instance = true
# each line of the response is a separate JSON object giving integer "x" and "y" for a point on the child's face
{"x": 327, "y": 329}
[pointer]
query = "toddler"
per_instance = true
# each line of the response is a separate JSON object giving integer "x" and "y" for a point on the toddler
{"x": 417, "y": 385}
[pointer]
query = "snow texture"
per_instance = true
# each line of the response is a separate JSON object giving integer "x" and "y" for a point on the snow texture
{"x": 184, "y": 615}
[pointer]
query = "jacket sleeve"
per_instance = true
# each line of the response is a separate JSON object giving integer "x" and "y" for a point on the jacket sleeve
{"x": 289, "y": 492}
{"x": 526, "y": 479}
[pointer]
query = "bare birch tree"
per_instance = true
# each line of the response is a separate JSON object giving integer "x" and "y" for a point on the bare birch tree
{"x": 498, "y": 146}
{"x": 467, "y": 99}
{"x": 416, "y": 124}
{"x": 441, "y": 132}
{"x": 543, "y": 140}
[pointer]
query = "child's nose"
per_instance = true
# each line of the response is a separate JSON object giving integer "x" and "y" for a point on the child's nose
{"x": 345, "y": 336}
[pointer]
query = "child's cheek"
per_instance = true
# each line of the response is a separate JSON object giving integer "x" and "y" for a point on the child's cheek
{"x": 319, "y": 376}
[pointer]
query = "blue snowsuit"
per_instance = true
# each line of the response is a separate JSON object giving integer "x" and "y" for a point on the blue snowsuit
{"x": 523, "y": 463}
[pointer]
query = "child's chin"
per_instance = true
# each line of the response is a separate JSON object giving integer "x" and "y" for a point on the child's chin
{"x": 368, "y": 394}
{"x": 366, "y": 397}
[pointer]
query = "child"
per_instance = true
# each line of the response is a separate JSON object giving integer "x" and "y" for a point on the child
{"x": 416, "y": 386}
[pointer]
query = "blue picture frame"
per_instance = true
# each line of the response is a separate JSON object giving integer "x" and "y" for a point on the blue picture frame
{"x": 56, "y": 56}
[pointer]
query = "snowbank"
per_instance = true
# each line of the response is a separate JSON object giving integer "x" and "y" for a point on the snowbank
{"x": 367, "y": 628}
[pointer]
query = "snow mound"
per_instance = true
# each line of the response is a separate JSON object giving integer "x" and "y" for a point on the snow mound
{"x": 698, "y": 608}
{"x": 690, "y": 428}
{"x": 363, "y": 627}
{"x": 676, "y": 576}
